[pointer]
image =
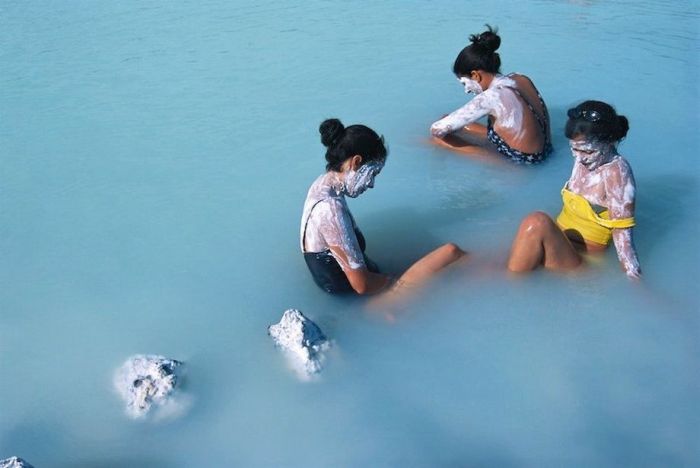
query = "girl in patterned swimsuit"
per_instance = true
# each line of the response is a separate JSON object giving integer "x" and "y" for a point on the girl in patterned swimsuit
{"x": 518, "y": 121}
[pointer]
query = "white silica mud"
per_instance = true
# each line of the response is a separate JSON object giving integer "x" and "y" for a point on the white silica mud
{"x": 148, "y": 385}
{"x": 302, "y": 342}
{"x": 14, "y": 462}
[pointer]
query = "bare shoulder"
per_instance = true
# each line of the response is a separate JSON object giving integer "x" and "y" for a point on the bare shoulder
{"x": 330, "y": 208}
{"x": 620, "y": 168}
{"x": 521, "y": 80}
{"x": 334, "y": 204}
{"x": 619, "y": 180}
{"x": 527, "y": 87}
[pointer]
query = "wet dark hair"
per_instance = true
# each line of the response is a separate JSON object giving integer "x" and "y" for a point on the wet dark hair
{"x": 597, "y": 120}
{"x": 480, "y": 54}
{"x": 344, "y": 142}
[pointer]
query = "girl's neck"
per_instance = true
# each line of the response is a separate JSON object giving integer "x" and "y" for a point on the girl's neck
{"x": 336, "y": 181}
{"x": 487, "y": 80}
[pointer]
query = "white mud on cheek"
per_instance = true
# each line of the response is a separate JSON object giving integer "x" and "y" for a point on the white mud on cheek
{"x": 592, "y": 154}
{"x": 357, "y": 182}
{"x": 471, "y": 86}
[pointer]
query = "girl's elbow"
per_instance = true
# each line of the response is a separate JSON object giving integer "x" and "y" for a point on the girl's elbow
{"x": 361, "y": 289}
{"x": 359, "y": 284}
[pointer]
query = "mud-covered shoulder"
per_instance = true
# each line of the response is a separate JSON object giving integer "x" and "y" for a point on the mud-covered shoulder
{"x": 619, "y": 185}
{"x": 619, "y": 171}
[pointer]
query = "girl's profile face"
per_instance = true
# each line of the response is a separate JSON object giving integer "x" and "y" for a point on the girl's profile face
{"x": 357, "y": 182}
{"x": 470, "y": 86}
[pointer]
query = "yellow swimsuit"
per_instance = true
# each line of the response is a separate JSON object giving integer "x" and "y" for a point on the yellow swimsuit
{"x": 577, "y": 214}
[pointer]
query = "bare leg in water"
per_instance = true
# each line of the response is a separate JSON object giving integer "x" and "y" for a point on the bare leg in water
{"x": 418, "y": 274}
{"x": 472, "y": 142}
{"x": 540, "y": 242}
{"x": 427, "y": 266}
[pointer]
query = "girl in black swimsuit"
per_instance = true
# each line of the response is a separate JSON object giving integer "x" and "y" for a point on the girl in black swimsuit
{"x": 332, "y": 245}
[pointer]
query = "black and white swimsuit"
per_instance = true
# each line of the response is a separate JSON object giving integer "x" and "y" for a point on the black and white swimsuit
{"x": 503, "y": 100}
{"x": 517, "y": 155}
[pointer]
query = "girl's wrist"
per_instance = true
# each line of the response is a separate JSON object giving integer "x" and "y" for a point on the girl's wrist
{"x": 633, "y": 271}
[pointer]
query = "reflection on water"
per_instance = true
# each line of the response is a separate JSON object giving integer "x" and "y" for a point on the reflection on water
{"x": 154, "y": 164}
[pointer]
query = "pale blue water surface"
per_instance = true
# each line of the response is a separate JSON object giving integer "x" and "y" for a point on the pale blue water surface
{"x": 154, "y": 159}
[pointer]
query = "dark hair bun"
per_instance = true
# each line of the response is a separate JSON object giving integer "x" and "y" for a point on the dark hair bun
{"x": 487, "y": 42}
{"x": 331, "y": 130}
{"x": 622, "y": 127}
{"x": 345, "y": 142}
{"x": 598, "y": 120}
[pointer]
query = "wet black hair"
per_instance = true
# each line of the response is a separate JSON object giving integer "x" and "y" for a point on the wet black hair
{"x": 344, "y": 142}
{"x": 597, "y": 120}
{"x": 480, "y": 54}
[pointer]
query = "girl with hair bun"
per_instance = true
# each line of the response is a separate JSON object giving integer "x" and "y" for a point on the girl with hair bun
{"x": 518, "y": 121}
{"x": 598, "y": 200}
{"x": 333, "y": 246}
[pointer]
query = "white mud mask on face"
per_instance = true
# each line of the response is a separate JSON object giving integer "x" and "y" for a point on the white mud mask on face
{"x": 356, "y": 182}
{"x": 471, "y": 86}
{"x": 591, "y": 153}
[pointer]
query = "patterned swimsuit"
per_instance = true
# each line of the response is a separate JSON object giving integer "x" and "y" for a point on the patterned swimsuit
{"x": 517, "y": 155}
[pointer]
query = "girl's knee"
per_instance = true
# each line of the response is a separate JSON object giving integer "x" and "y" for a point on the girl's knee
{"x": 453, "y": 251}
{"x": 536, "y": 223}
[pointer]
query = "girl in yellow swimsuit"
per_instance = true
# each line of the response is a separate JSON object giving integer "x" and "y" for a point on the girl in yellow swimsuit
{"x": 598, "y": 200}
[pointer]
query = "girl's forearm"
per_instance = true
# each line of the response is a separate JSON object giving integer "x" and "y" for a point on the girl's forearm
{"x": 626, "y": 252}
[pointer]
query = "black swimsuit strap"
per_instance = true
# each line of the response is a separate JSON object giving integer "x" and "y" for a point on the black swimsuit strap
{"x": 306, "y": 223}
{"x": 360, "y": 237}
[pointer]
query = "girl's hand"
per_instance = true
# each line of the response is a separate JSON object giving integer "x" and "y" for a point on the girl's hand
{"x": 634, "y": 273}
{"x": 440, "y": 131}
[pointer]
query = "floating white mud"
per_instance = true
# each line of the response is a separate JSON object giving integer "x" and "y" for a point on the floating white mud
{"x": 302, "y": 341}
{"x": 149, "y": 381}
{"x": 14, "y": 462}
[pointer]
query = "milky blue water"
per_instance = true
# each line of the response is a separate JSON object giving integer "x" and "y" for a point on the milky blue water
{"x": 154, "y": 159}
